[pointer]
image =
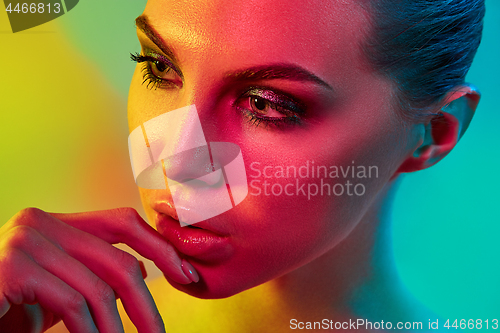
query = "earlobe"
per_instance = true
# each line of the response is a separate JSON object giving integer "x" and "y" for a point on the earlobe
{"x": 443, "y": 131}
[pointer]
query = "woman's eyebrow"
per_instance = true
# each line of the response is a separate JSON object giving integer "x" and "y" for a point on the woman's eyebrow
{"x": 276, "y": 71}
{"x": 265, "y": 72}
{"x": 142, "y": 23}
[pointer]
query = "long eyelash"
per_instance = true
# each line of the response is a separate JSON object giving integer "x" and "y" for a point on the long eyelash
{"x": 137, "y": 57}
{"x": 151, "y": 80}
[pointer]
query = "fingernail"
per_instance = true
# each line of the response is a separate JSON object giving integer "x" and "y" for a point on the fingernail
{"x": 143, "y": 270}
{"x": 190, "y": 272}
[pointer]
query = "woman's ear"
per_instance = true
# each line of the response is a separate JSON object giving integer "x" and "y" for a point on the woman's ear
{"x": 443, "y": 131}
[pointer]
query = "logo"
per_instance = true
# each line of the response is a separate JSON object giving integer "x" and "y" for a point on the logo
{"x": 26, "y": 15}
{"x": 204, "y": 179}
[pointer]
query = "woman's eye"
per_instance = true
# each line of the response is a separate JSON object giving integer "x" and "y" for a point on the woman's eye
{"x": 157, "y": 73}
{"x": 161, "y": 70}
{"x": 267, "y": 107}
{"x": 264, "y": 107}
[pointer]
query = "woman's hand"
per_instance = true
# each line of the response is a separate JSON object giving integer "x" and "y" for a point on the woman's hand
{"x": 63, "y": 266}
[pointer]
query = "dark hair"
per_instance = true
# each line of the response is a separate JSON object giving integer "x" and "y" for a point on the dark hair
{"x": 425, "y": 46}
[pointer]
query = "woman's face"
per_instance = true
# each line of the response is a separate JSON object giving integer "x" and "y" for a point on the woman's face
{"x": 287, "y": 82}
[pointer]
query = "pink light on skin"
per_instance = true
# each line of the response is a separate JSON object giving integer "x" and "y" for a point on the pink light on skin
{"x": 233, "y": 55}
{"x": 214, "y": 81}
{"x": 288, "y": 83}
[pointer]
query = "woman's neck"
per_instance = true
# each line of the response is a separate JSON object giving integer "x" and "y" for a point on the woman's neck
{"x": 360, "y": 266}
{"x": 356, "y": 279}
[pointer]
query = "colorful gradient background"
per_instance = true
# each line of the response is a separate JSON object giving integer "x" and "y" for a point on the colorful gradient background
{"x": 63, "y": 143}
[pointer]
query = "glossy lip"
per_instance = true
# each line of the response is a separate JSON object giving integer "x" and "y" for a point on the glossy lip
{"x": 167, "y": 207}
{"x": 195, "y": 242}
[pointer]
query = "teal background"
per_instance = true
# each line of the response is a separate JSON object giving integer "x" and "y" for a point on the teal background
{"x": 446, "y": 218}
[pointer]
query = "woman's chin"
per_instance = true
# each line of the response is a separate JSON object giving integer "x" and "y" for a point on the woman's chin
{"x": 204, "y": 290}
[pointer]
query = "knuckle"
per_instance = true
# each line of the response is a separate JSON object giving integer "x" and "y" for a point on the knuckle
{"x": 29, "y": 214}
{"x": 75, "y": 303}
{"x": 129, "y": 271}
{"x": 127, "y": 213}
{"x": 103, "y": 292}
{"x": 128, "y": 263}
{"x": 20, "y": 236}
{"x": 127, "y": 221}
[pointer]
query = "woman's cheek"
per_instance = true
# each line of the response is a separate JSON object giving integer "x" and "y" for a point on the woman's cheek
{"x": 321, "y": 181}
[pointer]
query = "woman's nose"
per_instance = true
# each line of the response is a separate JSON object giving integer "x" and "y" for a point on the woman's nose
{"x": 177, "y": 139}
{"x": 204, "y": 179}
{"x": 194, "y": 164}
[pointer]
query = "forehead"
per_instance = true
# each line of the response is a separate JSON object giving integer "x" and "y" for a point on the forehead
{"x": 314, "y": 34}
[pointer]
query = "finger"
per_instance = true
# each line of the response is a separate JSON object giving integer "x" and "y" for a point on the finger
{"x": 117, "y": 268}
{"x": 99, "y": 295}
{"x": 143, "y": 270}
{"x": 125, "y": 277}
{"x": 30, "y": 284}
{"x": 125, "y": 225}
